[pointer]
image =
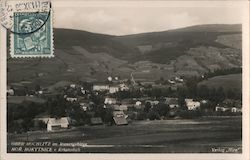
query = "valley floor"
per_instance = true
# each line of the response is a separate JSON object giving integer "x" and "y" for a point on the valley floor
{"x": 204, "y": 135}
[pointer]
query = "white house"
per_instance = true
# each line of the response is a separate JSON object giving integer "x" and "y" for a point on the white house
{"x": 113, "y": 89}
{"x": 10, "y": 92}
{"x": 138, "y": 103}
{"x": 40, "y": 92}
{"x": 57, "y": 123}
{"x": 116, "y": 78}
{"x": 204, "y": 101}
{"x": 110, "y": 78}
{"x": 171, "y": 81}
{"x": 124, "y": 87}
{"x": 192, "y": 105}
{"x": 153, "y": 103}
{"x": 235, "y": 109}
{"x": 221, "y": 108}
{"x": 84, "y": 106}
{"x": 72, "y": 85}
{"x": 101, "y": 87}
{"x": 225, "y": 108}
{"x": 84, "y": 91}
{"x": 110, "y": 100}
{"x": 179, "y": 79}
{"x": 71, "y": 99}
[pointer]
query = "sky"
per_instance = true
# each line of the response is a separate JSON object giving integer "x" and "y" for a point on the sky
{"x": 119, "y": 20}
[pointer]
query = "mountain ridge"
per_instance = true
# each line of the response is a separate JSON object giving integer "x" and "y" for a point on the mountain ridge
{"x": 82, "y": 55}
{"x": 237, "y": 27}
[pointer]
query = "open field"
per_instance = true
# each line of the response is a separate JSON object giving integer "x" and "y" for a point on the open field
{"x": 161, "y": 136}
{"x": 232, "y": 81}
{"x": 21, "y": 99}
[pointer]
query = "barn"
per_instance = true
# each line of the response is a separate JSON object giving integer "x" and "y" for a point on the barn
{"x": 57, "y": 123}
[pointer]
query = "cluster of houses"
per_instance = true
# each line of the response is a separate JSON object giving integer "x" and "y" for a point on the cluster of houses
{"x": 111, "y": 88}
{"x": 229, "y": 105}
{"x": 191, "y": 104}
{"x": 121, "y": 108}
{"x": 175, "y": 80}
{"x": 114, "y": 85}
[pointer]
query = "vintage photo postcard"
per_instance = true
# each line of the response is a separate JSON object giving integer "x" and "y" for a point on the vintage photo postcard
{"x": 124, "y": 79}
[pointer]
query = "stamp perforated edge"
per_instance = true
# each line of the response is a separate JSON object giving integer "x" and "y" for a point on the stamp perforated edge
{"x": 51, "y": 55}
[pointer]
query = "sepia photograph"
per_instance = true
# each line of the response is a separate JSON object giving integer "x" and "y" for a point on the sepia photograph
{"x": 122, "y": 77}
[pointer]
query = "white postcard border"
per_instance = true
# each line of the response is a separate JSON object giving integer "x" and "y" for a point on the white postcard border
{"x": 39, "y": 156}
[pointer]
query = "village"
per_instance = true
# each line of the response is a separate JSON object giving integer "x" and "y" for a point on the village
{"x": 112, "y": 102}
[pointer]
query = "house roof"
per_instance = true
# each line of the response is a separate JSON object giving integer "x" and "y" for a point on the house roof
{"x": 172, "y": 100}
{"x": 120, "y": 120}
{"x": 58, "y": 121}
{"x": 224, "y": 106}
{"x": 120, "y": 107}
{"x": 189, "y": 100}
{"x": 108, "y": 98}
{"x": 96, "y": 120}
{"x": 152, "y": 101}
{"x": 192, "y": 103}
{"x": 115, "y": 113}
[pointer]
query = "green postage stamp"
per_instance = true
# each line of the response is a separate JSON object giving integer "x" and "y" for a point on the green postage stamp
{"x": 32, "y": 35}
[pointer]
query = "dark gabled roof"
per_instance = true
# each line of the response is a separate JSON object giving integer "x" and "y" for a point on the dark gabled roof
{"x": 96, "y": 120}
{"x": 120, "y": 120}
{"x": 115, "y": 113}
{"x": 173, "y": 101}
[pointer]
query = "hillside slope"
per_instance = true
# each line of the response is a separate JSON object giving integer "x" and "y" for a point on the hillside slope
{"x": 162, "y": 47}
{"x": 81, "y": 55}
{"x": 231, "y": 81}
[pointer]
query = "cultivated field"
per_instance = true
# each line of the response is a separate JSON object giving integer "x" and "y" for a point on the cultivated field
{"x": 161, "y": 136}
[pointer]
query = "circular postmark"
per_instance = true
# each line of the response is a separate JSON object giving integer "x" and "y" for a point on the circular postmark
{"x": 24, "y": 17}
